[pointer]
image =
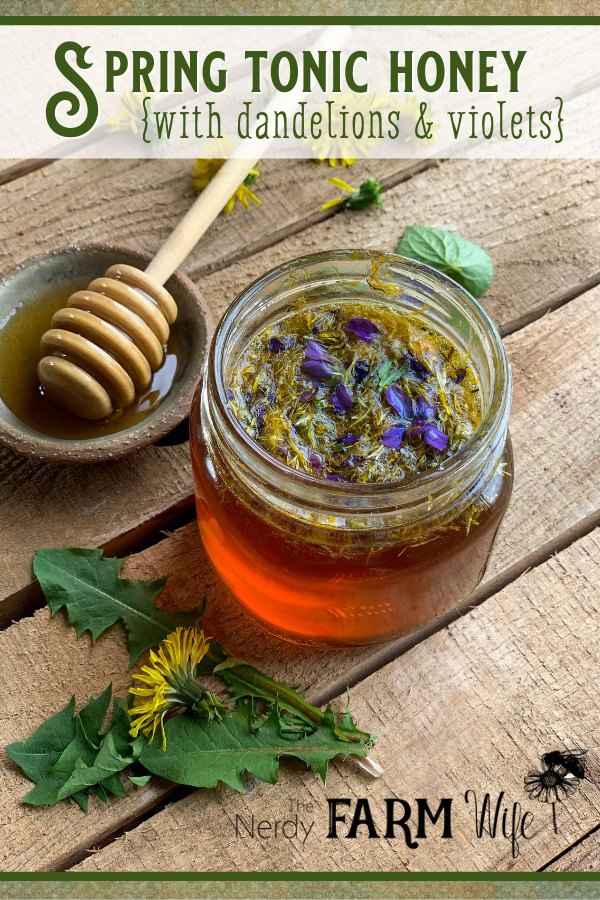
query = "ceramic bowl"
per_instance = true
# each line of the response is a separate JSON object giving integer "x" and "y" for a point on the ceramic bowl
{"x": 76, "y": 266}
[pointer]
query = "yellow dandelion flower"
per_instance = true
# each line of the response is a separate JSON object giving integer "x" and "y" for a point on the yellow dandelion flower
{"x": 128, "y": 115}
{"x": 343, "y": 186}
{"x": 169, "y": 682}
{"x": 205, "y": 169}
{"x": 335, "y": 162}
{"x": 369, "y": 193}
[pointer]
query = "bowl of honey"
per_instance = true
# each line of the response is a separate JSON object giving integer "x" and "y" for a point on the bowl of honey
{"x": 350, "y": 447}
{"x": 30, "y": 423}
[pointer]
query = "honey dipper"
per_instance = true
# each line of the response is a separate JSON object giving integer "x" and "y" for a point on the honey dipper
{"x": 103, "y": 346}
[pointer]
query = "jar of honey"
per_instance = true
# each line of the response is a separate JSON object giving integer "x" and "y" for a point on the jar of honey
{"x": 350, "y": 448}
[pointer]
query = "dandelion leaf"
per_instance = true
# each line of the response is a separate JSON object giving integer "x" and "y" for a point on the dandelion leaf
{"x": 69, "y": 757}
{"x": 201, "y": 755}
{"x": 95, "y": 597}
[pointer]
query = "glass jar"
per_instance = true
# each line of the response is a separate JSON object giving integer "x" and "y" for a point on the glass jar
{"x": 341, "y": 563}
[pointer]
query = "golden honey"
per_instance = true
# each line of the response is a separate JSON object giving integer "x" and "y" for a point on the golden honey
{"x": 350, "y": 561}
{"x": 20, "y": 336}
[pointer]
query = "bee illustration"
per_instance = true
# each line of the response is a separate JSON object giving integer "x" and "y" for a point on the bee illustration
{"x": 571, "y": 761}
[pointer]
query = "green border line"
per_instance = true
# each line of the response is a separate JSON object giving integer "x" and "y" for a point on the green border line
{"x": 295, "y": 20}
{"x": 303, "y": 876}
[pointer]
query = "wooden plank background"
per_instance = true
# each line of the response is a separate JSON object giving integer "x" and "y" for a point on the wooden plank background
{"x": 519, "y": 677}
{"x": 540, "y": 223}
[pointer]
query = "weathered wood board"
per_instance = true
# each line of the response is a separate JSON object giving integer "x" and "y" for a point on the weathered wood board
{"x": 585, "y": 857}
{"x": 536, "y": 220}
{"x": 139, "y": 202}
{"x": 471, "y": 708}
{"x": 540, "y": 221}
{"x": 41, "y": 662}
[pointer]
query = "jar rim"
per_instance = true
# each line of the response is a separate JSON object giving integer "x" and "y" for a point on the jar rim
{"x": 430, "y": 482}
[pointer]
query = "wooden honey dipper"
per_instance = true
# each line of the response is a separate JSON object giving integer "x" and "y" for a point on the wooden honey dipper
{"x": 104, "y": 345}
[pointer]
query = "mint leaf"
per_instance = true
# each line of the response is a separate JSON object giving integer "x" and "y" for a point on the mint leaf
{"x": 37, "y": 754}
{"x": 88, "y": 585}
{"x": 451, "y": 254}
{"x": 202, "y": 754}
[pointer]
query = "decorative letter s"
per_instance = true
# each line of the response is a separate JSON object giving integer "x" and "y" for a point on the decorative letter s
{"x": 72, "y": 99}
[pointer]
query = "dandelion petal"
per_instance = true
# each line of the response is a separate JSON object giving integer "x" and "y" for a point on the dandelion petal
{"x": 393, "y": 437}
{"x": 362, "y": 328}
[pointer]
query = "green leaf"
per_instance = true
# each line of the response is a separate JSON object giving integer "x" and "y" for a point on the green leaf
{"x": 37, "y": 754}
{"x": 88, "y": 585}
{"x": 388, "y": 374}
{"x": 91, "y": 717}
{"x": 245, "y": 681}
{"x": 69, "y": 757}
{"x": 140, "y": 780}
{"x": 47, "y": 789}
{"x": 369, "y": 193}
{"x": 107, "y": 763}
{"x": 202, "y": 754}
{"x": 450, "y": 253}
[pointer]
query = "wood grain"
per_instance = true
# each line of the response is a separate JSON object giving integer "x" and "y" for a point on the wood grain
{"x": 41, "y": 662}
{"x": 540, "y": 221}
{"x": 536, "y": 219}
{"x": 10, "y": 169}
{"x": 585, "y": 857}
{"x": 139, "y": 202}
{"x": 472, "y": 707}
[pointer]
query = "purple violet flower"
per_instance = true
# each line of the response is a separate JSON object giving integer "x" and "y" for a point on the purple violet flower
{"x": 435, "y": 438}
{"x": 424, "y": 409}
{"x": 341, "y": 399}
{"x": 399, "y": 402}
{"x": 348, "y": 439}
{"x": 392, "y": 437}
{"x": 330, "y": 476}
{"x": 229, "y": 394}
{"x": 460, "y": 374}
{"x": 314, "y": 350}
{"x": 362, "y": 328}
{"x": 307, "y": 395}
{"x": 320, "y": 370}
{"x": 417, "y": 366}
{"x": 260, "y": 416}
{"x": 360, "y": 370}
{"x": 276, "y": 345}
{"x": 314, "y": 459}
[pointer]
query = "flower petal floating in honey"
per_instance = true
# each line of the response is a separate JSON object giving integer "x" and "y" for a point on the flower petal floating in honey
{"x": 393, "y": 437}
{"x": 362, "y": 328}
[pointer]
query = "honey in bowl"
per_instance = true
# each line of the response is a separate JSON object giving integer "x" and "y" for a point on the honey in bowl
{"x": 20, "y": 335}
{"x": 350, "y": 447}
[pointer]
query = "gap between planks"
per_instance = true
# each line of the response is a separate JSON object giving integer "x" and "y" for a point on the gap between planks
{"x": 543, "y": 505}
